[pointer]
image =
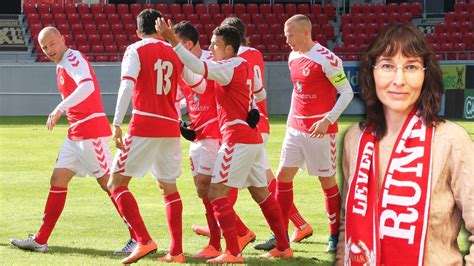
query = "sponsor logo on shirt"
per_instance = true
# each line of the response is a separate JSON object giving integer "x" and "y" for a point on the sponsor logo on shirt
{"x": 197, "y": 108}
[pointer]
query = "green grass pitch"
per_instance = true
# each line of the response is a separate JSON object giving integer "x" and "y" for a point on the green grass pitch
{"x": 89, "y": 228}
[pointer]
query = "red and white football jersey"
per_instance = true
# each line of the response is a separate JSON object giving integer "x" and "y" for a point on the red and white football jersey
{"x": 233, "y": 99}
{"x": 156, "y": 70}
{"x": 314, "y": 75}
{"x": 87, "y": 119}
{"x": 202, "y": 108}
{"x": 255, "y": 58}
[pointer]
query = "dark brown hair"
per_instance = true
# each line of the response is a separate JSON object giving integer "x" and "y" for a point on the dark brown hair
{"x": 410, "y": 42}
{"x": 240, "y": 26}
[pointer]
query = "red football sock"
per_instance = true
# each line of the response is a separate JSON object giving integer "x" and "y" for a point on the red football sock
{"x": 52, "y": 211}
{"x": 242, "y": 229}
{"x": 226, "y": 217}
{"x": 130, "y": 231}
{"x": 332, "y": 199}
{"x": 284, "y": 195}
{"x": 174, "y": 215}
{"x": 294, "y": 214}
{"x": 214, "y": 230}
{"x": 128, "y": 207}
{"x": 272, "y": 214}
{"x": 272, "y": 187}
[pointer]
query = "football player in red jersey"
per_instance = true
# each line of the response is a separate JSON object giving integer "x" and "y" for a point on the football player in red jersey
{"x": 85, "y": 149}
{"x": 240, "y": 157}
{"x": 317, "y": 76}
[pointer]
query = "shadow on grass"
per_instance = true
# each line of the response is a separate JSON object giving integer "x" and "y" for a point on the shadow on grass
{"x": 249, "y": 260}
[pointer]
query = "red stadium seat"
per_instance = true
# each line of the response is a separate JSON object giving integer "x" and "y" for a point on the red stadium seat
{"x": 174, "y": 8}
{"x": 404, "y": 7}
{"x": 193, "y": 18}
{"x": 208, "y": 29}
{"x": 200, "y": 8}
{"x": 315, "y": 30}
{"x": 367, "y": 9}
{"x": 290, "y": 9}
{"x": 263, "y": 29}
{"x": 392, "y": 8}
{"x": 393, "y": 18}
{"x": 73, "y": 18}
{"x": 77, "y": 29}
{"x": 381, "y": 18}
{"x": 29, "y": 8}
{"x": 57, "y": 8}
{"x": 187, "y": 9}
{"x": 369, "y": 18}
{"x": 252, "y": 8}
{"x": 266, "y": 57}
{"x": 379, "y": 8}
{"x": 130, "y": 29}
{"x": 460, "y": 7}
{"x": 280, "y": 39}
{"x": 63, "y": 28}
{"x": 371, "y": 29}
{"x": 465, "y": 27}
{"x": 205, "y": 18}
{"x": 87, "y": 18}
{"x": 258, "y": 19}
{"x": 97, "y": 8}
{"x": 440, "y": 27}
{"x": 117, "y": 29}
{"x": 127, "y": 19}
{"x": 218, "y": 18}
{"x": 330, "y": 10}
{"x": 452, "y": 27}
{"x": 100, "y": 19}
{"x": 109, "y": 9}
{"x": 83, "y": 9}
{"x": 357, "y": 8}
{"x": 178, "y": 17}
{"x": 278, "y": 9}
{"x": 361, "y": 39}
{"x": 203, "y": 39}
{"x": 33, "y": 18}
{"x": 245, "y": 18}
{"x": 328, "y": 31}
{"x": 303, "y": 9}
{"x": 80, "y": 39}
{"x": 463, "y": 16}
{"x": 98, "y": 49}
{"x": 46, "y": 19}
{"x": 261, "y": 48}
{"x": 255, "y": 39}
{"x": 214, "y": 9}
{"x": 239, "y": 8}
{"x": 455, "y": 38}
{"x": 121, "y": 39}
{"x": 345, "y": 19}
{"x": 162, "y": 7}
{"x": 346, "y": 29}
{"x": 276, "y": 29}
{"x": 103, "y": 29}
{"x": 113, "y": 58}
{"x": 278, "y": 58}
{"x": 270, "y": 19}
{"x": 405, "y": 17}
{"x": 357, "y": 19}
{"x": 135, "y": 9}
{"x": 70, "y": 8}
{"x": 122, "y": 48}
{"x": 94, "y": 39}
{"x": 265, "y": 8}
{"x": 450, "y": 17}
{"x": 113, "y": 19}
{"x": 323, "y": 19}
{"x": 68, "y": 39}
{"x": 415, "y": 9}
{"x": 43, "y": 8}
{"x": 111, "y": 48}
{"x": 226, "y": 9}
{"x": 251, "y": 29}
{"x": 90, "y": 29}
{"x": 122, "y": 9}
{"x": 84, "y": 48}
{"x": 283, "y": 17}
{"x": 101, "y": 58}
{"x": 316, "y": 9}
{"x": 268, "y": 39}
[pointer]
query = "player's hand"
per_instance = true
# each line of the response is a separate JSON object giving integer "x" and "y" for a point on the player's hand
{"x": 319, "y": 128}
{"x": 187, "y": 133}
{"x": 253, "y": 117}
{"x": 166, "y": 30}
{"x": 53, "y": 118}
{"x": 118, "y": 137}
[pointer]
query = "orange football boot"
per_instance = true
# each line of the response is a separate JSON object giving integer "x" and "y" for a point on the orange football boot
{"x": 246, "y": 239}
{"x": 275, "y": 253}
{"x": 140, "y": 251}
{"x": 298, "y": 235}
{"x": 201, "y": 230}
{"x": 209, "y": 252}
{"x": 226, "y": 258}
{"x": 176, "y": 259}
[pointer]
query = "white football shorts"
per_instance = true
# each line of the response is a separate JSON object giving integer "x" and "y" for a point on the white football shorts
{"x": 140, "y": 155}
{"x": 318, "y": 154}
{"x": 202, "y": 156}
{"x": 240, "y": 166}
{"x": 85, "y": 157}
{"x": 266, "y": 163}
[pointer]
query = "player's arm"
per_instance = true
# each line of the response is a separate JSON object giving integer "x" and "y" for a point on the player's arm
{"x": 258, "y": 89}
{"x": 80, "y": 73}
{"x": 195, "y": 81}
{"x": 129, "y": 74}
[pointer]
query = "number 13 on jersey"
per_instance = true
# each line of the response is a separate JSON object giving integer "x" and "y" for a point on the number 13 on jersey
{"x": 164, "y": 69}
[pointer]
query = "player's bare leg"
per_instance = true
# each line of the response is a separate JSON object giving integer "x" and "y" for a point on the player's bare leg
{"x": 213, "y": 249}
{"x": 174, "y": 215}
{"x": 54, "y": 206}
{"x": 226, "y": 218}
{"x": 272, "y": 213}
{"x": 332, "y": 199}
{"x": 127, "y": 205}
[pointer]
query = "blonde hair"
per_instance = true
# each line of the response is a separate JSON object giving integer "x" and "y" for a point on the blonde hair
{"x": 301, "y": 20}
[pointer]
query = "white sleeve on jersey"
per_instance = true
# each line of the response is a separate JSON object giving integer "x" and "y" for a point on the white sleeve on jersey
{"x": 78, "y": 70}
{"x": 222, "y": 71}
{"x": 337, "y": 77}
{"x": 125, "y": 94}
{"x": 195, "y": 81}
{"x": 130, "y": 64}
{"x": 258, "y": 90}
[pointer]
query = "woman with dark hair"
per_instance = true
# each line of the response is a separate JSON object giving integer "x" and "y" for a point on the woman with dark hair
{"x": 408, "y": 173}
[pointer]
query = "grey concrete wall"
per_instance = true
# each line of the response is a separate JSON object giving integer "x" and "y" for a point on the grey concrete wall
{"x": 31, "y": 89}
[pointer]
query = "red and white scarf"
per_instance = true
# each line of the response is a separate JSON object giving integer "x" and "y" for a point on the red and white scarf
{"x": 389, "y": 227}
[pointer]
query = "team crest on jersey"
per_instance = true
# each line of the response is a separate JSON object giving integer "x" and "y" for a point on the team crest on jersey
{"x": 61, "y": 80}
{"x": 299, "y": 86}
{"x": 196, "y": 98}
{"x": 306, "y": 71}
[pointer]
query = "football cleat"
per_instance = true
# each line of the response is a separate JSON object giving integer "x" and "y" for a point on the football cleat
{"x": 29, "y": 244}
{"x": 201, "y": 230}
{"x": 298, "y": 235}
{"x": 276, "y": 254}
{"x": 246, "y": 239}
{"x": 208, "y": 252}
{"x": 140, "y": 251}
{"x": 268, "y": 245}
{"x": 332, "y": 243}
{"x": 127, "y": 249}
{"x": 176, "y": 259}
{"x": 226, "y": 258}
